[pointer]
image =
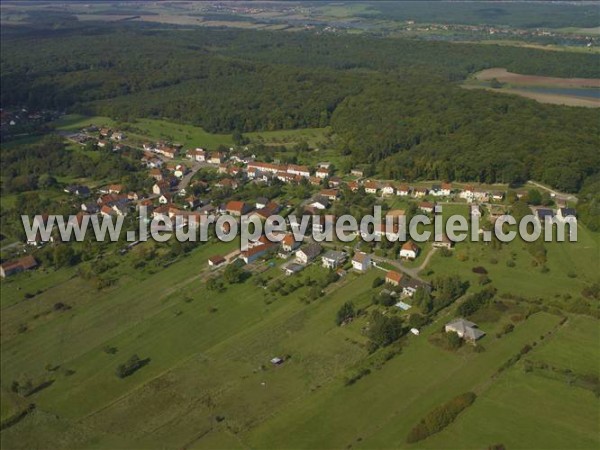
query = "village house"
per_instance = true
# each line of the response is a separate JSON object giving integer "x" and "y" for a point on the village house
{"x": 394, "y": 278}
{"x": 403, "y": 190}
{"x": 543, "y": 213}
{"x": 216, "y": 158}
{"x": 107, "y": 211}
{"x": 237, "y": 208}
{"x": 227, "y": 183}
{"x": 197, "y": 154}
{"x": 308, "y": 253}
{"x": 167, "y": 152}
{"x": 115, "y": 188}
{"x": 333, "y": 259}
{"x": 436, "y": 190}
{"x": 289, "y": 243}
{"x": 315, "y": 181}
{"x": 335, "y": 182}
{"x": 161, "y": 187}
{"x": 331, "y": 194}
{"x": 323, "y": 223}
{"x": 180, "y": 171}
{"x": 319, "y": 202}
{"x": 361, "y": 261}
{"x": 387, "y": 189}
{"x": 481, "y": 196}
{"x": 420, "y": 192}
{"x": 357, "y": 173}
{"x": 371, "y": 187}
{"x": 192, "y": 202}
{"x": 442, "y": 241}
{"x": 566, "y": 214}
{"x": 292, "y": 268}
{"x": 468, "y": 193}
{"x": 156, "y": 174}
{"x": 497, "y": 196}
{"x": 165, "y": 198}
{"x": 18, "y": 265}
{"x": 90, "y": 208}
{"x": 253, "y": 253}
{"x": 410, "y": 286}
{"x": 353, "y": 186}
{"x": 216, "y": 261}
{"x": 41, "y": 221}
{"x": 427, "y": 207}
{"x": 322, "y": 173}
{"x": 409, "y": 250}
{"x": 382, "y": 230}
{"x": 261, "y": 202}
{"x": 78, "y": 189}
{"x": 294, "y": 169}
{"x": 465, "y": 329}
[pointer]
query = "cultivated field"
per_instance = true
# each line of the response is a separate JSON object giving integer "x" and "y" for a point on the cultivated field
{"x": 552, "y": 90}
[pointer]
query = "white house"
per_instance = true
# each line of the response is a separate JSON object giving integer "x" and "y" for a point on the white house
{"x": 403, "y": 190}
{"x": 371, "y": 187}
{"x": 387, "y": 189}
{"x": 333, "y": 259}
{"x": 361, "y": 261}
{"x": 307, "y": 253}
{"x": 322, "y": 173}
{"x": 409, "y": 250}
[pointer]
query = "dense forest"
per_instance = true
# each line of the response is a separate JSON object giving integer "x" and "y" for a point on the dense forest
{"x": 395, "y": 104}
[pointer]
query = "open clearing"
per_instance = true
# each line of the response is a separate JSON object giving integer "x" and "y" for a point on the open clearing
{"x": 505, "y": 76}
{"x": 557, "y": 91}
{"x": 142, "y": 130}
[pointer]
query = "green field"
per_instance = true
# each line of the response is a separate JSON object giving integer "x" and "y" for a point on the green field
{"x": 209, "y": 383}
{"x": 143, "y": 130}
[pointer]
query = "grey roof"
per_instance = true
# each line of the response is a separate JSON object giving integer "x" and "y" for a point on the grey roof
{"x": 293, "y": 267}
{"x": 567, "y": 212}
{"x": 461, "y": 323}
{"x": 543, "y": 213}
{"x": 262, "y": 200}
{"x": 334, "y": 255}
{"x": 467, "y": 329}
{"x": 321, "y": 199}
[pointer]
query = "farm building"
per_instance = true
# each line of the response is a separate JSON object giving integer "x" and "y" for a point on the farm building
{"x": 18, "y": 265}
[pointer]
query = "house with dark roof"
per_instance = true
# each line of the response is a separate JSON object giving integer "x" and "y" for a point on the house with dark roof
{"x": 308, "y": 253}
{"x": 216, "y": 261}
{"x": 333, "y": 259}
